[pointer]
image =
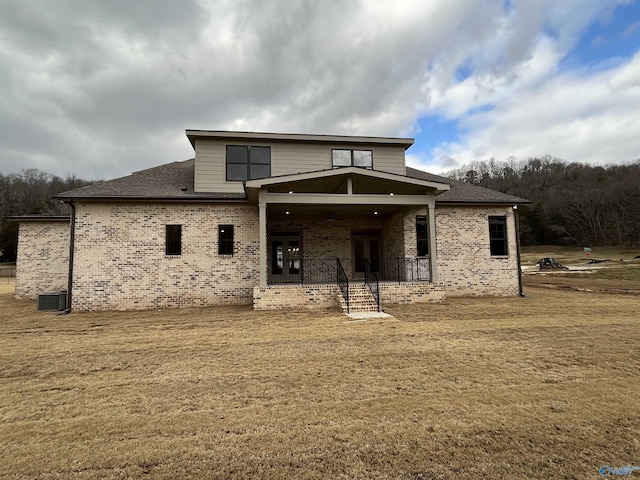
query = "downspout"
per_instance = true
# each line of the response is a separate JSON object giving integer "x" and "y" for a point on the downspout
{"x": 71, "y": 250}
{"x": 517, "y": 222}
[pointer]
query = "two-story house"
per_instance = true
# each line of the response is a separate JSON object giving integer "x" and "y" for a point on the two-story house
{"x": 274, "y": 220}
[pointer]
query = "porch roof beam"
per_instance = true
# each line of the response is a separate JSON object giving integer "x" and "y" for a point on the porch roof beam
{"x": 354, "y": 172}
{"x": 345, "y": 199}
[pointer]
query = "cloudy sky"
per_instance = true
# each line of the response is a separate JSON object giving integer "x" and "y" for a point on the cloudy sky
{"x": 101, "y": 88}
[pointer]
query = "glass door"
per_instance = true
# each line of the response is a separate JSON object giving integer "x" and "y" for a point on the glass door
{"x": 285, "y": 264}
{"x": 365, "y": 248}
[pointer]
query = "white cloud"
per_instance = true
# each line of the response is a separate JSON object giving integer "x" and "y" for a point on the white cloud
{"x": 576, "y": 116}
{"x": 100, "y": 89}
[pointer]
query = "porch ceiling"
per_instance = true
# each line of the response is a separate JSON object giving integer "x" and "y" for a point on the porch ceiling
{"x": 336, "y": 182}
{"x": 333, "y": 213}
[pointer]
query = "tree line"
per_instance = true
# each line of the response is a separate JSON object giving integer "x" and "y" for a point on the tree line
{"x": 29, "y": 192}
{"x": 572, "y": 203}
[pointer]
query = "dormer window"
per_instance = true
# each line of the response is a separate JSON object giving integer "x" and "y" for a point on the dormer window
{"x": 352, "y": 158}
{"x": 248, "y": 163}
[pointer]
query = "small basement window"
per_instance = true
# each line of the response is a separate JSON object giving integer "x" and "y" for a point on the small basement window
{"x": 173, "y": 240}
{"x": 422, "y": 235}
{"x": 498, "y": 236}
{"x": 225, "y": 239}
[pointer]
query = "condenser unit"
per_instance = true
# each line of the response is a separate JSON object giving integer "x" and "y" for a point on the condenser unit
{"x": 52, "y": 301}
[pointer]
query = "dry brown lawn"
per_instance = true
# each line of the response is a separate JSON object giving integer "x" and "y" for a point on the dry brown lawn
{"x": 541, "y": 387}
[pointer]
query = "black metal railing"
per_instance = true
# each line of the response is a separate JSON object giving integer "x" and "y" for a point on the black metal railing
{"x": 402, "y": 269}
{"x": 304, "y": 271}
{"x": 371, "y": 280}
{"x": 309, "y": 271}
{"x": 343, "y": 282}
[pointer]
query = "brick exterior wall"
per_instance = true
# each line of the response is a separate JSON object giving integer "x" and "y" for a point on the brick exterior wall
{"x": 120, "y": 260}
{"x": 43, "y": 258}
{"x": 277, "y": 297}
{"x": 393, "y": 239}
{"x": 464, "y": 261}
{"x": 411, "y": 292}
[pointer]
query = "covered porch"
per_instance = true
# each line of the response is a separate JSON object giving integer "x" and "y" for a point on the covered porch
{"x": 345, "y": 225}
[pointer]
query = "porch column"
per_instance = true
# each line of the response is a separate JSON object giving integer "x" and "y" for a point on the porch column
{"x": 431, "y": 214}
{"x": 262, "y": 214}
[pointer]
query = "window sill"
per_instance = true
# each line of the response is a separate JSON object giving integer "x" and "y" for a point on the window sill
{"x": 499, "y": 257}
{"x": 172, "y": 256}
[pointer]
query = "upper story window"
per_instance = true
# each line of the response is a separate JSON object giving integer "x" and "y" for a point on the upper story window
{"x": 352, "y": 158}
{"x": 498, "y": 236}
{"x": 248, "y": 163}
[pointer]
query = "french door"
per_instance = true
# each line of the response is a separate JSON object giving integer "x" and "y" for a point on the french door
{"x": 285, "y": 264}
{"x": 366, "y": 247}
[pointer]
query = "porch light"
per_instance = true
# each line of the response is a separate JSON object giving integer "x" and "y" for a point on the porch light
{"x": 287, "y": 212}
{"x": 290, "y": 192}
{"x": 375, "y": 213}
{"x": 391, "y": 194}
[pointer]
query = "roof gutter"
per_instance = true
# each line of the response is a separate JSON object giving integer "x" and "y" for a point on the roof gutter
{"x": 517, "y": 222}
{"x": 479, "y": 203}
{"x": 96, "y": 198}
{"x": 71, "y": 252}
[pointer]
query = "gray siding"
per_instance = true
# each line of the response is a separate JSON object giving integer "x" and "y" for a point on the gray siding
{"x": 286, "y": 158}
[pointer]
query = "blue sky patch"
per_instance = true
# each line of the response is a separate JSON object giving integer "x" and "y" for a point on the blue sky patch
{"x": 464, "y": 71}
{"x": 433, "y": 131}
{"x": 603, "y": 41}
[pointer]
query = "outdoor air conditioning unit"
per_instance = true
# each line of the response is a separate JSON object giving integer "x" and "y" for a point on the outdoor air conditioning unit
{"x": 52, "y": 301}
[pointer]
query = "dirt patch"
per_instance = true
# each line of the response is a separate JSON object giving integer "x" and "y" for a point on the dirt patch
{"x": 619, "y": 280}
{"x": 576, "y": 255}
{"x": 537, "y": 387}
{"x": 621, "y": 276}
{"x": 605, "y": 290}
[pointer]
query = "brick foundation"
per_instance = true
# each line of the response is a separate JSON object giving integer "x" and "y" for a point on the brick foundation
{"x": 411, "y": 292}
{"x": 275, "y": 297}
{"x": 312, "y": 297}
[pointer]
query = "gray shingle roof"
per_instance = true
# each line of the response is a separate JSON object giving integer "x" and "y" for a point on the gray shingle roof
{"x": 39, "y": 218}
{"x": 462, "y": 192}
{"x": 173, "y": 181}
